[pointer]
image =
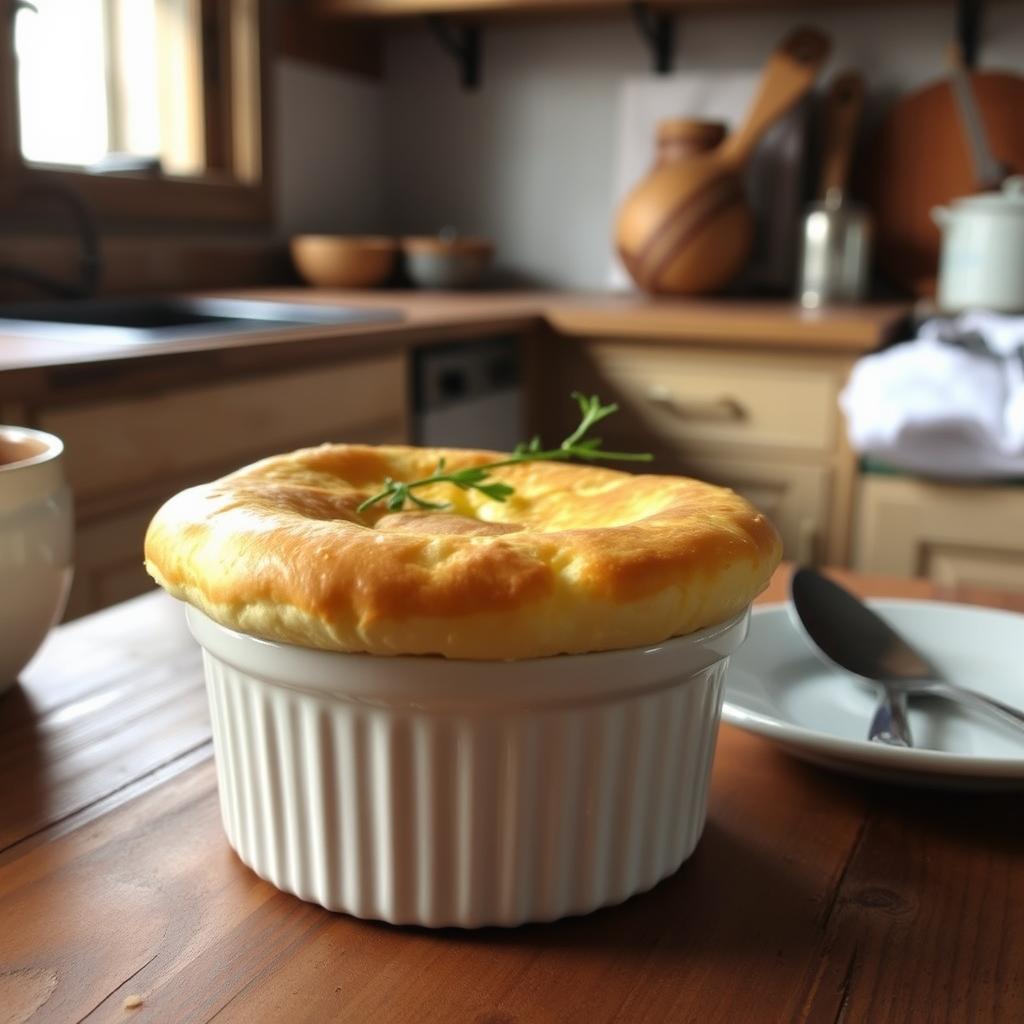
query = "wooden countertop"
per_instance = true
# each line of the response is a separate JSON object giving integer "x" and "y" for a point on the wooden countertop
{"x": 811, "y": 897}
{"x": 428, "y": 317}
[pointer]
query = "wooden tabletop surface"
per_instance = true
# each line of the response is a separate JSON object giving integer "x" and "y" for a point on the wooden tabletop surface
{"x": 811, "y": 897}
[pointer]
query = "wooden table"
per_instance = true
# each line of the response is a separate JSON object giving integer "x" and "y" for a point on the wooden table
{"x": 811, "y": 897}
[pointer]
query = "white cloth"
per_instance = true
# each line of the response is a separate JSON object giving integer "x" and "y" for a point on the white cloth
{"x": 948, "y": 404}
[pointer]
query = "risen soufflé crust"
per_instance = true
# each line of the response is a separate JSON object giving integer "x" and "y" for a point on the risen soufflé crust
{"x": 580, "y": 558}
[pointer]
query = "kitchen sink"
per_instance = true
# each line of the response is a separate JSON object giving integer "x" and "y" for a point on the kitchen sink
{"x": 168, "y": 318}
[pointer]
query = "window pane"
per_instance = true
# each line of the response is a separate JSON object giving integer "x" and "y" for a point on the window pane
{"x": 62, "y": 92}
{"x": 106, "y": 79}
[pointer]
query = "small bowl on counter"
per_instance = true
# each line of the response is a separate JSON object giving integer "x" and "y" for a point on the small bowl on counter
{"x": 344, "y": 261}
{"x": 446, "y": 261}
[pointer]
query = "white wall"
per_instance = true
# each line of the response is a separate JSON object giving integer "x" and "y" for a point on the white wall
{"x": 529, "y": 159}
{"x": 328, "y": 150}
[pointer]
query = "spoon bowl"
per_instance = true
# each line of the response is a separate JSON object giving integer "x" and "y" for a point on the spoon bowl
{"x": 851, "y": 636}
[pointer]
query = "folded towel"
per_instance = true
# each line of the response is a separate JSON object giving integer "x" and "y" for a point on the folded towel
{"x": 949, "y": 403}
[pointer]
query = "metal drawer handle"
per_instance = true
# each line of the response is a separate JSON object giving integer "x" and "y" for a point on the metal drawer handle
{"x": 718, "y": 409}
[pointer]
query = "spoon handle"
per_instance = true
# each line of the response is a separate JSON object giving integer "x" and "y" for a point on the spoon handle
{"x": 890, "y": 724}
{"x": 978, "y": 700}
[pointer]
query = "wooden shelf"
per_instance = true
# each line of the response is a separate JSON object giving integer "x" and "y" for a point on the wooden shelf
{"x": 395, "y": 9}
{"x": 420, "y": 8}
{"x": 456, "y": 22}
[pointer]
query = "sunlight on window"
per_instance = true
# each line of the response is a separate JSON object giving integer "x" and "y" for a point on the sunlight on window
{"x": 101, "y": 79}
{"x": 62, "y": 88}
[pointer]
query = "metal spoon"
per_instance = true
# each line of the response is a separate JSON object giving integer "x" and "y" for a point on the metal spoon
{"x": 853, "y": 637}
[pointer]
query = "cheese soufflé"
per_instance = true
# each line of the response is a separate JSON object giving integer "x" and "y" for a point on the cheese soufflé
{"x": 577, "y": 559}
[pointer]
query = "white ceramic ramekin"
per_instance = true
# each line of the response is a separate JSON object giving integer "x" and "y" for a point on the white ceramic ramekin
{"x": 422, "y": 791}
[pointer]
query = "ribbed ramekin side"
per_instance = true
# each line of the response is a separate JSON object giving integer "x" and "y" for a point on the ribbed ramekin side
{"x": 462, "y": 818}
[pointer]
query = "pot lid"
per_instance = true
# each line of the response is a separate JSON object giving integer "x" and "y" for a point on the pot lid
{"x": 1010, "y": 199}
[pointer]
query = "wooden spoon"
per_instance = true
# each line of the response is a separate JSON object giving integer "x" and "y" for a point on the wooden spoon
{"x": 843, "y": 107}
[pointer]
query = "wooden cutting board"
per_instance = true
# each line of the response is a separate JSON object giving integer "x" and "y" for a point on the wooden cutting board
{"x": 919, "y": 159}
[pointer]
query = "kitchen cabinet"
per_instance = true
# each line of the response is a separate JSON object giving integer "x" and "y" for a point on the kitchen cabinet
{"x": 127, "y": 453}
{"x": 951, "y": 534}
{"x": 739, "y": 392}
{"x": 763, "y": 421}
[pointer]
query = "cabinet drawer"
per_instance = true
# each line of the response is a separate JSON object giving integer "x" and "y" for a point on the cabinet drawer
{"x": 133, "y": 442}
{"x": 737, "y": 398}
{"x": 954, "y": 535}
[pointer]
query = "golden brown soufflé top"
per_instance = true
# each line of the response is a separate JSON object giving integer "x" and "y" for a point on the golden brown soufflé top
{"x": 578, "y": 559}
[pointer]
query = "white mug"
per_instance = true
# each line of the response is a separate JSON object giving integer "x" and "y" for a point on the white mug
{"x": 36, "y": 527}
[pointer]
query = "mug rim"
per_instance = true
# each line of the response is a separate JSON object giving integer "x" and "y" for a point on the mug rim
{"x": 53, "y": 450}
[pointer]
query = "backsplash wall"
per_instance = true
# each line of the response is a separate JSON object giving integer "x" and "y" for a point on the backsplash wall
{"x": 529, "y": 159}
{"x": 328, "y": 150}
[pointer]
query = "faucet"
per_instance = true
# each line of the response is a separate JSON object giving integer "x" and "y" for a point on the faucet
{"x": 90, "y": 262}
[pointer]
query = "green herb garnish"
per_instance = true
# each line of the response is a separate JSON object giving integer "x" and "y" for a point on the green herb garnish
{"x": 477, "y": 478}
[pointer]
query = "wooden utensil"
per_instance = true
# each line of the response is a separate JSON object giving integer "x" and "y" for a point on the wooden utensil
{"x": 843, "y": 107}
{"x": 687, "y": 227}
{"x": 920, "y": 158}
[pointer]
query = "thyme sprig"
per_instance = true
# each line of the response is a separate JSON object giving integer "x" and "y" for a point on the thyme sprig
{"x": 478, "y": 478}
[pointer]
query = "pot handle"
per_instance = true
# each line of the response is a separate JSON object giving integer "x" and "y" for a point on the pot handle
{"x": 940, "y": 216}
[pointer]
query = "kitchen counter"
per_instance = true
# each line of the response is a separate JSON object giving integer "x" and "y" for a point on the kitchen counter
{"x": 430, "y": 317}
{"x": 811, "y": 897}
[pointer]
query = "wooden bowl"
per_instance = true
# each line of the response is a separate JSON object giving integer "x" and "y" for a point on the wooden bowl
{"x": 344, "y": 261}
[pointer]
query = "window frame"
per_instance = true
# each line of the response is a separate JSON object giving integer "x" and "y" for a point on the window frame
{"x": 216, "y": 197}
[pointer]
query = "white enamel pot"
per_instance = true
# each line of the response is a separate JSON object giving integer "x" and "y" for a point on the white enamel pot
{"x": 982, "y": 262}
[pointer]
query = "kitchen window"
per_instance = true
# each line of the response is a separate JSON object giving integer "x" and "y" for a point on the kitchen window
{"x": 150, "y": 109}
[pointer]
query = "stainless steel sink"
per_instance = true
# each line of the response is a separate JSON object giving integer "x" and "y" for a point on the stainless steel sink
{"x": 169, "y": 319}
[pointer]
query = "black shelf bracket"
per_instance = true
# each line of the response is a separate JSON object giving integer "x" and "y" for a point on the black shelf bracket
{"x": 658, "y": 31}
{"x": 463, "y": 42}
{"x": 968, "y": 30}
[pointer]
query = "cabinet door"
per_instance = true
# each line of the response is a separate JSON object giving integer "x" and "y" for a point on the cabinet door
{"x": 182, "y": 432}
{"x": 951, "y": 534}
{"x": 126, "y": 457}
{"x": 108, "y": 562}
{"x": 794, "y": 497}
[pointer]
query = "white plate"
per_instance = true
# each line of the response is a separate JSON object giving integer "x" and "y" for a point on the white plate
{"x": 780, "y": 688}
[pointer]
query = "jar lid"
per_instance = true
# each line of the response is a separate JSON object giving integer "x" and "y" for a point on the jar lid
{"x": 1009, "y": 199}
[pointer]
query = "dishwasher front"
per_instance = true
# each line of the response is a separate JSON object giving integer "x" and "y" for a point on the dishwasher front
{"x": 468, "y": 394}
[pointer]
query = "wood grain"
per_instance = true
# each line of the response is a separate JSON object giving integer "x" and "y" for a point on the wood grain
{"x": 108, "y": 700}
{"x": 198, "y": 935}
{"x": 810, "y": 898}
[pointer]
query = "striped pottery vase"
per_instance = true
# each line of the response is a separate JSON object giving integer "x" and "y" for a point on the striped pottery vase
{"x": 686, "y": 228}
